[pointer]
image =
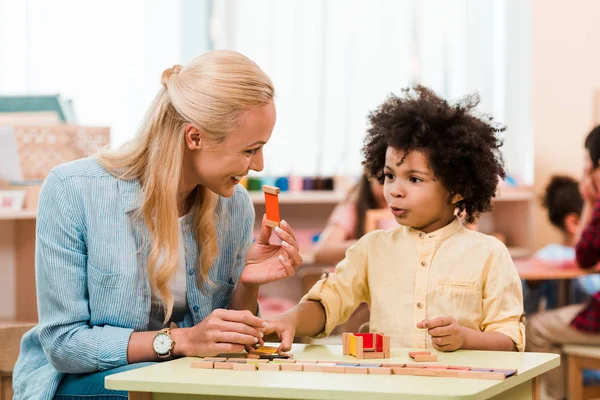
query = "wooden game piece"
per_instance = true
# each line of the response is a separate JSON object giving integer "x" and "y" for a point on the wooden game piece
{"x": 425, "y": 358}
{"x": 215, "y": 359}
{"x": 244, "y": 367}
{"x": 337, "y": 369}
{"x": 268, "y": 367}
{"x": 253, "y": 361}
{"x": 358, "y": 370}
{"x": 292, "y": 367}
{"x": 366, "y": 345}
{"x": 284, "y": 361}
{"x": 392, "y": 365}
{"x": 203, "y": 364}
{"x": 237, "y": 360}
{"x": 264, "y": 350}
{"x": 272, "y": 205}
{"x": 223, "y": 365}
{"x": 312, "y": 367}
{"x": 252, "y": 356}
{"x": 380, "y": 371}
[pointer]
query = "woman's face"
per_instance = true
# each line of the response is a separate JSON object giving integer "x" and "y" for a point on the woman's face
{"x": 220, "y": 165}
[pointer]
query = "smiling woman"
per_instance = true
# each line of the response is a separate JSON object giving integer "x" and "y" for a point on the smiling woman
{"x": 154, "y": 233}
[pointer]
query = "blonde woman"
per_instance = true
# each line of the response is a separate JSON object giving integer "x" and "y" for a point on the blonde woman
{"x": 154, "y": 233}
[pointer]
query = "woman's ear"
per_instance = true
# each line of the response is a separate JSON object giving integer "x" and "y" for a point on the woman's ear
{"x": 193, "y": 137}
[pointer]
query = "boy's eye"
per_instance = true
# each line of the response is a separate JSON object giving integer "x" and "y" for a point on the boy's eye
{"x": 252, "y": 152}
{"x": 388, "y": 176}
{"x": 414, "y": 179}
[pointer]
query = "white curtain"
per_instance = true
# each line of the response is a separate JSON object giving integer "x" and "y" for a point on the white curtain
{"x": 334, "y": 61}
{"x": 105, "y": 55}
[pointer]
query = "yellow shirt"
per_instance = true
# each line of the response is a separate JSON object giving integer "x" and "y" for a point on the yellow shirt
{"x": 406, "y": 276}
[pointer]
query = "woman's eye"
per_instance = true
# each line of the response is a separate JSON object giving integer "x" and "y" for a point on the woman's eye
{"x": 251, "y": 152}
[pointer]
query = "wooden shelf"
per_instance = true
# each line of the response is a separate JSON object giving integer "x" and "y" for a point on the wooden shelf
{"x": 307, "y": 197}
{"x": 18, "y": 214}
{"x": 519, "y": 252}
{"x": 515, "y": 194}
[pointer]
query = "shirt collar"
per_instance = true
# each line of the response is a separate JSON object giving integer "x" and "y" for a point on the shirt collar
{"x": 438, "y": 235}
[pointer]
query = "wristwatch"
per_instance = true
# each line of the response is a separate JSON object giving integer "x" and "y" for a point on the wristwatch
{"x": 163, "y": 343}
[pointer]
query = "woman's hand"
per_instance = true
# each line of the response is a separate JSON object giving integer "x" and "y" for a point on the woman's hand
{"x": 446, "y": 333}
{"x": 223, "y": 331}
{"x": 266, "y": 262}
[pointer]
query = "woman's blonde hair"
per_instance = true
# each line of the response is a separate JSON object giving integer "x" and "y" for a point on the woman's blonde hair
{"x": 209, "y": 93}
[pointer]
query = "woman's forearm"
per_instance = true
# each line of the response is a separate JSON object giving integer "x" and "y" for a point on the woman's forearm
{"x": 245, "y": 297}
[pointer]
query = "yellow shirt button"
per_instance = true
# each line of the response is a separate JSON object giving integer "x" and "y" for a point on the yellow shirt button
{"x": 419, "y": 305}
{"x": 421, "y": 235}
{"x": 423, "y": 264}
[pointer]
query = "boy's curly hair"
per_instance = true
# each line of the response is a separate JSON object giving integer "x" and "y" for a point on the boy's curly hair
{"x": 462, "y": 148}
{"x": 561, "y": 198}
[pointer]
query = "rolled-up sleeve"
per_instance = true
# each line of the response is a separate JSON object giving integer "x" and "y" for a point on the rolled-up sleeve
{"x": 70, "y": 344}
{"x": 343, "y": 291}
{"x": 503, "y": 298}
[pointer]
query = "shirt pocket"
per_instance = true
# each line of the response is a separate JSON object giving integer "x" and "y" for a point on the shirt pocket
{"x": 458, "y": 296}
{"x": 103, "y": 279}
{"x": 221, "y": 294}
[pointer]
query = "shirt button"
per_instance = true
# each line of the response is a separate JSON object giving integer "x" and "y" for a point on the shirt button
{"x": 419, "y": 305}
{"x": 196, "y": 308}
{"x": 190, "y": 272}
{"x": 421, "y": 235}
{"x": 423, "y": 264}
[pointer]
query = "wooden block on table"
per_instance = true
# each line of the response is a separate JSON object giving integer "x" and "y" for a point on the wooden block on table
{"x": 459, "y": 368}
{"x": 392, "y": 365}
{"x": 284, "y": 361}
{"x": 264, "y": 350}
{"x": 252, "y": 356}
{"x": 425, "y": 358}
{"x": 224, "y": 365}
{"x": 416, "y": 365}
{"x": 436, "y": 366}
{"x": 312, "y": 367}
{"x": 372, "y": 355}
{"x": 358, "y": 370}
{"x": 259, "y": 361}
{"x": 215, "y": 359}
{"x": 412, "y": 354}
{"x": 436, "y": 372}
{"x": 380, "y": 371}
{"x": 268, "y": 367}
{"x": 336, "y": 369}
{"x": 203, "y": 364}
{"x": 404, "y": 370}
{"x": 237, "y": 360}
{"x": 292, "y": 367}
{"x": 481, "y": 375}
{"x": 244, "y": 367}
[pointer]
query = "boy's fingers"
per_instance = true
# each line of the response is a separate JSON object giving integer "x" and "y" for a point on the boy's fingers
{"x": 434, "y": 323}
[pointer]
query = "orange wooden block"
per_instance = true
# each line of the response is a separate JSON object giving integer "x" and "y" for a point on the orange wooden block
{"x": 292, "y": 367}
{"x": 269, "y": 367}
{"x": 412, "y": 354}
{"x": 272, "y": 205}
{"x": 203, "y": 364}
{"x": 312, "y": 367}
{"x": 244, "y": 367}
{"x": 224, "y": 365}
{"x": 336, "y": 369}
{"x": 425, "y": 358}
{"x": 380, "y": 371}
{"x": 264, "y": 350}
{"x": 252, "y": 356}
{"x": 217, "y": 359}
{"x": 370, "y": 355}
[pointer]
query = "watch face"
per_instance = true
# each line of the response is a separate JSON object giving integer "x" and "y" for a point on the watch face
{"x": 162, "y": 343}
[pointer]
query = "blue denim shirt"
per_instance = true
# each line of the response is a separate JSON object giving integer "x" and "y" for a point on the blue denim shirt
{"x": 92, "y": 281}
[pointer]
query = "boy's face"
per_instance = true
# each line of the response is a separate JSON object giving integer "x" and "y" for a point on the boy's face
{"x": 415, "y": 196}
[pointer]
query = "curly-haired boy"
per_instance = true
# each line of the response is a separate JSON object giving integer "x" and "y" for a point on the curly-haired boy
{"x": 429, "y": 282}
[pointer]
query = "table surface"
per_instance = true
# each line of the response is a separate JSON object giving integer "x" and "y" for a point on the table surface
{"x": 177, "y": 376}
{"x": 536, "y": 269}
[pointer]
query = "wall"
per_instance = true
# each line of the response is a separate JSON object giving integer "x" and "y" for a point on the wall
{"x": 565, "y": 72}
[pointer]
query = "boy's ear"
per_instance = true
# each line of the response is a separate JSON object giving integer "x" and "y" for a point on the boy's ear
{"x": 571, "y": 223}
{"x": 456, "y": 198}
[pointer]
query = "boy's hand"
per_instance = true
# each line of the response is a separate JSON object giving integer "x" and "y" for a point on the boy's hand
{"x": 280, "y": 329}
{"x": 446, "y": 333}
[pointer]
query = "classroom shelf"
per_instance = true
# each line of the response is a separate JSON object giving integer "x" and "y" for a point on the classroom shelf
{"x": 307, "y": 197}
{"x": 18, "y": 214}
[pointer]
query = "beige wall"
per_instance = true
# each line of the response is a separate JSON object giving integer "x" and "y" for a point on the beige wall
{"x": 565, "y": 72}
